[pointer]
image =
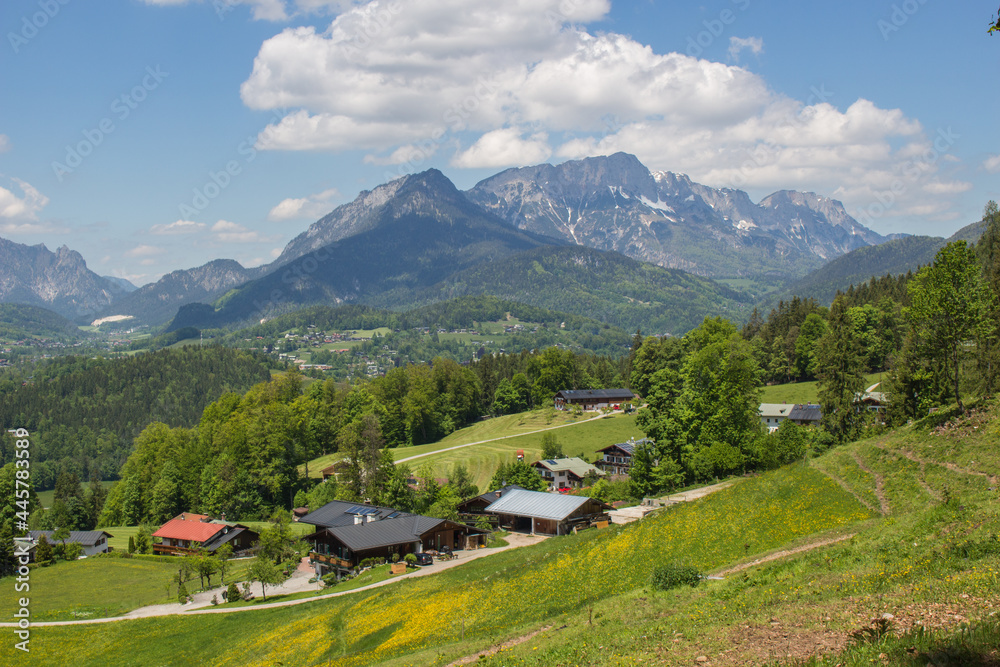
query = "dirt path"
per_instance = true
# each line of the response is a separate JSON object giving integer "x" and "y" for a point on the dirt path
{"x": 879, "y": 485}
{"x": 783, "y": 554}
{"x": 503, "y": 437}
{"x": 515, "y": 540}
{"x": 921, "y": 475}
{"x": 493, "y": 650}
{"x": 694, "y": 494}
{"x": 845, "y": 487}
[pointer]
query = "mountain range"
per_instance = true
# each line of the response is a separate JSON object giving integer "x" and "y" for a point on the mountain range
{"x": 600, "y": 235}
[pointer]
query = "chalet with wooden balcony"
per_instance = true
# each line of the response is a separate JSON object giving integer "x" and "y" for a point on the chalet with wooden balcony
{"x": 188, "y": 533}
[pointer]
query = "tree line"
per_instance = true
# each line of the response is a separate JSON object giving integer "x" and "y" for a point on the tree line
{"x": 83, "y": 412}
{"x": 935, "y": 333}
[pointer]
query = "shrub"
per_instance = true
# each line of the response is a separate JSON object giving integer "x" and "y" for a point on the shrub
{"x": 395, "y": 557}
{"x": 330, "y": 579}
{"x": 410, "y": 559}
{"x": 233, "y": 593}
{"x": 666, "y": 577}
{"x": 182, "y": 593}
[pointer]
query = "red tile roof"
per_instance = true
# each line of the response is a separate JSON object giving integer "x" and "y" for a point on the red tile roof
{"x": 181, "y": 529}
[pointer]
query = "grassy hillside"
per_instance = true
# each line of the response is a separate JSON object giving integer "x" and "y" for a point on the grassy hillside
{"x": 804, "y": 392}
{"x": 904, "y": 524}
{"x": 20, "y": 321}
{"x": 506, "y": 435}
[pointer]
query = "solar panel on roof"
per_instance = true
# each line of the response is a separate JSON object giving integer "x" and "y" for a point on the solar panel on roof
{"x": 370, "y": 510}
{"x": 550, "y": 462}
{"x": 354, "y": 509}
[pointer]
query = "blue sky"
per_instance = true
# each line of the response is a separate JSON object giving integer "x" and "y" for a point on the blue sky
{"x": 160, "y": 134}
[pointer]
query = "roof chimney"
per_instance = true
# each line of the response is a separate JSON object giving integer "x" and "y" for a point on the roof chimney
{"x": 358, "y": 519}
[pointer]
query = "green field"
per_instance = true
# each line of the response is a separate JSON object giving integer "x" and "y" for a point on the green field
{"x": 482, "y": 460}
{"x": 46, "y": 497}
{"x": 585, "y": 599}
{"x": 804, "y": 392}
{"x": 577, "y": 435}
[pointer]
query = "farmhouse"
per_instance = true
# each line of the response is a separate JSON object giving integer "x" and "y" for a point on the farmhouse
{"x": 92, "y": 541}
{"x": 335, "y": 469}
{"x": 616, "y": 459}
{"x": 187, "y": 533}
{"x": 349, "y": 533}
{"x": 593, "y": 399}
{"x": 806, "y": 414}
{"x": 546, "y": 513}
{"x": 565, "y": 473}
{"x": 772, "y": 414}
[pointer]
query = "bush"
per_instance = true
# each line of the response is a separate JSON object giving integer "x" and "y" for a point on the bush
{"x": 666, "y": 577}
{"x": 233, "y": 593}
{"x": 411, "y": 560}
{"x": 182, "y": 593}
{"x": 329, "y": 579}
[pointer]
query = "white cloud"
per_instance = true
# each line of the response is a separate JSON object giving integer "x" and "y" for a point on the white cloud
{"x": 144, "y": 251}
{"x": 4, "y": 143}
{"x": 20, "y": 208}
{"x": 739, "y": 44}
{"x": 262, "y": 10}
{"x": 992, "y": 164}
{"x": 313, "y": 206}
{"x": 504, "y": 148}
{"x": 408, "y": 78}
{"x": 948, "y": 188}
{"x": 178, "y": 227}
{"x": 231, "y": 232}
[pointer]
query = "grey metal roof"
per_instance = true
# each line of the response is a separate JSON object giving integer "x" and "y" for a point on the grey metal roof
{"x": 87, "y": 538}
{"x": 537, "y": 504}
{"x": 340, "y": 513}
{"x": 628, "y": 447}
{"x": 579, "y": 394}
{"x": 375, "y": 534}
{"x": 806, "y": 412}
{"x": 222, "y": 537}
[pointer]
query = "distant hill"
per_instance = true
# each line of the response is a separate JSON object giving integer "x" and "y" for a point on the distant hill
{"x": 19, "y": 321}
{"x": 156, "y": 303}
{"x": 604, "y": 286}
{"x": 424, "y": 242}
{"x": 895, "y": 257}
{"x": 424, "y": 232}
{"x": 615, "y": 203}
{"x": 58, "y": 281}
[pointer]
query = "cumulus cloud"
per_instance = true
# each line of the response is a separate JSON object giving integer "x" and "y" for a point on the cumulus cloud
{"x": 992, "y": 164}
{"x": 313, "y": 206}
{"x": 20, "y": 204}
{"x": 503, "y": 148}
{"x": 511, "y": 83}
{"x": 178, "y": 227}
{"x": 144, "y": 251}
{"x": 739, "y": 44}
{"x": 231, "y": 232}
